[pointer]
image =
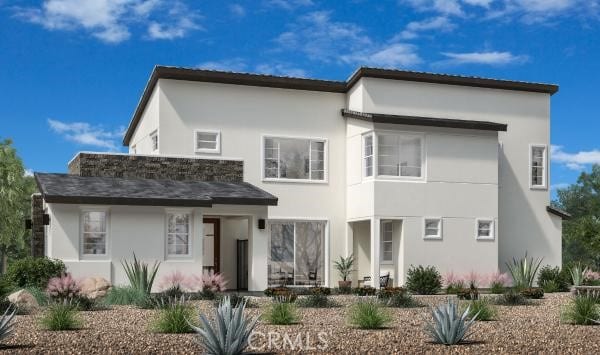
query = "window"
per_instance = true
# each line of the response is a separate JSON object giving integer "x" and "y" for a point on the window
{"x": 432, "y": 228}
{"x": 294, "y": 159}
{"x": 154, "y": 140}
{"x": 178, "y": 234}
{"x": 297, "y": 252}
{"x": 207, "y": 142}
{"x": 368, "y": 155}
{"x": 94, "y": 231}
{"x": 399, "y": 155}
{"x": 387, "y": 237}
{"x": 537, "y": 161}
{"x": 485, "y": 229}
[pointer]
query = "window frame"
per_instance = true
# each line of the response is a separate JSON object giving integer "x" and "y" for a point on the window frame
{"x": 107, "y": 244}
{"x": 492, "y": 235}
{"x": 440, "y": 234}
{"x": 364, "y": 157}
{"x": 154, "y": 134}
{"x": 543, "y": 186}
{"x": 382, "y": 242}
{"x": 190, "y": 253}
{"x": 325, "y": 141}
{"x": 216, "y": 150}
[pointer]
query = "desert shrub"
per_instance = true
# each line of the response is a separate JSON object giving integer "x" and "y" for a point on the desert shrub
{"x": 449, "y": 326}
{"x": 551, "y": 286}
{"x": 581, "y": 310}
{"x": 482, "y": 308}
{"x": 319, "y": 290}
{"x": 342, "y": 290}
{"x": 511, "y": 298}
{"x": 62, "y": 288}
{"x": 497, "y": 282}
{"x": 214, "y": 282}
{"x": 497, "y": 288}
{"x": 423, "y": 280}
{"x": 281, "y": 313}
{"x": 388, "y": 292}
{"x": 316, "y": 300}
{"x": 578, "y": 272}
{"x": 61, "y": 316}
{"x": 86, "y": 304}
{"x": 6, "y": 322}
{"x": 368, "y": 315}
{"x": 39, "y": 294}
{"x": 402, "y": 300}
{"x": 470, "y": 293}
{"x": 173, "y": 317}
{"x": 552, "y": 279}
{"x": 533, "y": 293}
{"x": 281, "y": 292}
{"x": 523, "y": 271}
{"x": 235, "y": 299}
{"x": 364, "y": 291}
{"x": 124, "y": 295}
{"x": 33, "y": 272}
{"x": 453, "y": 283}
{"x": 591, "y": 278}
{"x": 140, "y": 275}
{"x": 6, "y": 287}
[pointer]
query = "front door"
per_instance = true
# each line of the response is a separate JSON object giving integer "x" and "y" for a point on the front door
{"x": 211, "y": 244}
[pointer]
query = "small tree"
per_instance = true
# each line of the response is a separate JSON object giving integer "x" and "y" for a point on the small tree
{"x": 344, "y": 268}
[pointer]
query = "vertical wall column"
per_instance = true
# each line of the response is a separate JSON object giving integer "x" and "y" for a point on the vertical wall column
{"x": 38, "y": 237}
{"x": 375, "y": 246}
{"x": 258, "y": 240}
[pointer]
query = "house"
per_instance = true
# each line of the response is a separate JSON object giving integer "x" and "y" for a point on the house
{"x": 269, "y": 179}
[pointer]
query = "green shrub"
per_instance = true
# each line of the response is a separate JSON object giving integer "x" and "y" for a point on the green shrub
{"x": 33, "y": 272}
{"x": 455, "y": 287}
{"x": 388, "y": 292}
{"x": 281, "y": 313}
{"x": 482, "y": 308}
{"x": 61, "y": 316}
{"x": 497, "y": 288}
{"x": 533, "y": 293}
{"x": 581, "y": 310}
{"x": 235, "y": 299}
{"x": 123, "y": 295}
{"x": 524, "y": 271}
{"x": 552, "y": 279}
{"x": 368, "y": 315}
{"x": 423, "y": 280}
{"x": 317, "y": 300}
{"x": 402, "y": 300}
{"x": 6, "y": 287}
{"x": 551, "y": 286}
{"x": 174, "y": 318}
{"x": 281, "y": 292}
{"x": 470, "y": 293}
{"x": 511, "y": 298}
{"x": 364, "y": 291}
{"x": 342, "y": 290}
{"x": 140, "y": 275}
{"x": 319, "y": 290}
{"x": 39, "y": 294}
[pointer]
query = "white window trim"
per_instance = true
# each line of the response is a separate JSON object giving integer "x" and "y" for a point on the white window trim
{"x": 302, "y": 181}
{"x": 190, "y": 253}
{"x": 440, "y": 229}
{"x": 492, "y": 229}
{"x": 217, "y": 150}
{"x": 105, "y": 256}
{"x": 381, "y": 242}
{"x": 363, "y": 156}
{"x": 152, "y": 135}
{"x": 544, "y": 186}
{"x": 303, "y": 219}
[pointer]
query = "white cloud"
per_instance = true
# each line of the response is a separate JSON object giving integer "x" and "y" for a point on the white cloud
{"x": 574, "y": 161}
{"x": 413, "y": 29}
{"x": 487, "y": 58}
{"x": 86, "y": 134}
{"x": 240, "y": 65}
{"x": 234, "y": 64}
{"x": 237, "y": 10}
{"x": 28, "y": 172}
{"x": 281, "y": 69}
{"x": 448, "y": 7}
{"x": 562, "y": 185}
{"x": 111, "y": 20}
{"x": 288, "y": 4}
{"x": 394, "y": 55}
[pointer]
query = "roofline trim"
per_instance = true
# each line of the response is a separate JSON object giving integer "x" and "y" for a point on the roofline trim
{"x": 558, "y": 212}
{"x": 425, "y": 121}
{"x": 282, "y": 82}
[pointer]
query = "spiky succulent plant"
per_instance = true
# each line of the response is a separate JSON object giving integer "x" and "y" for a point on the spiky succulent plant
{"x": 230, "y": 332}
{"x": 449, "y": 326}
{"x": 6, "y": 323}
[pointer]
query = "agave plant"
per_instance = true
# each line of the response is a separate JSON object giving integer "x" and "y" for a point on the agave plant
{"x": 449, "y": 327}
{"x": 6, "y": 323}
{"x": 140, "y": 276}
{"x": 230, "y": 332}
{"x": 523, "y": 271}
{"x": 578, "y": 273}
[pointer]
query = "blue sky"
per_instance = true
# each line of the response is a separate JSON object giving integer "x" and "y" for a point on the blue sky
{"x": 73, "y": 70}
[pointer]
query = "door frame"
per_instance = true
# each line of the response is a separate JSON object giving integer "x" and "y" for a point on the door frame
{"x": 216, "y": 222}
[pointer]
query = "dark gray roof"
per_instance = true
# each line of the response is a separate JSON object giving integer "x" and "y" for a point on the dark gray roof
{"x": 425, "y": 121}
{"x": 284, "y": 82}
{"x": 558, "y": 212}
{"x": 65, "y": 188}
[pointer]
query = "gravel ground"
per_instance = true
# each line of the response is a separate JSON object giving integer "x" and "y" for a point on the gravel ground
{"x": 123, "y": 329}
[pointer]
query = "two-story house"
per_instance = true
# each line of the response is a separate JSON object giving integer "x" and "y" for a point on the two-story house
{"x": 269, "y": 179}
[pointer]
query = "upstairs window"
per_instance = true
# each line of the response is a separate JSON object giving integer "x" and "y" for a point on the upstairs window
{"x": 432, "y": 228}
{"x": 154, "y": 141}
{"x": 207, "y": 142}
{"x": 538, "y": 166}
{"x": 485, "y": 229}
{"x": 399, "y": 155}
{"x": 387, "y": 238}
{"x": 294, "y": 159}
{"x": 368, "y": 155}
{"x": 94, "y": 233}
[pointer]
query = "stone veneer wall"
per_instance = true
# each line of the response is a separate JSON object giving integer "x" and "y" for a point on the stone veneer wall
{"x": 38, "y": 237}
{"x": 156, "y": 167}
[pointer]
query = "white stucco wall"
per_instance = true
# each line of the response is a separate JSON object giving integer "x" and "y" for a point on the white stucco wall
{"x": 140, "y": 140}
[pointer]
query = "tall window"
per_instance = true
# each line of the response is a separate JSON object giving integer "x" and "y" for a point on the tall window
{"x": 485, "y": 229}
{"x": 432, "y": 228}
{"x": 538, "y": 166}
{"x": 178, "y": 234}
{"x": 207, "y": 142}
{"x": 399, "y": 155}
{"x": 94, "y": 230}
{"x": 294, "y": 159}
{"x": 387, "y": 237}
{"x": 154, "y": 140}
{"x": 297, "y": 253}
{"x": 368, "y": 155}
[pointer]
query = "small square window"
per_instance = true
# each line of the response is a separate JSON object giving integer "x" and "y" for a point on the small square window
{"x": 432, "y": 228}
{"x": 485, "y": 229}
{"x": 154, "y": 141}
{"x": 207, "y": 141}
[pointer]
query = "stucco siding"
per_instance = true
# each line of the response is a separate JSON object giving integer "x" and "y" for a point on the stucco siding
{"x": 149, "y": 123}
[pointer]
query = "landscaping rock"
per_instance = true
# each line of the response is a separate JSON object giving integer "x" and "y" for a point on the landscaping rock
{"x": 94, "y": 287}
{"x": 24, "y": 300}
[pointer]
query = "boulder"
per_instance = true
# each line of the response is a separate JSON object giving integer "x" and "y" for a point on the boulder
{"x": 24, "y": 300}
{"x": 94, "y": 287}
